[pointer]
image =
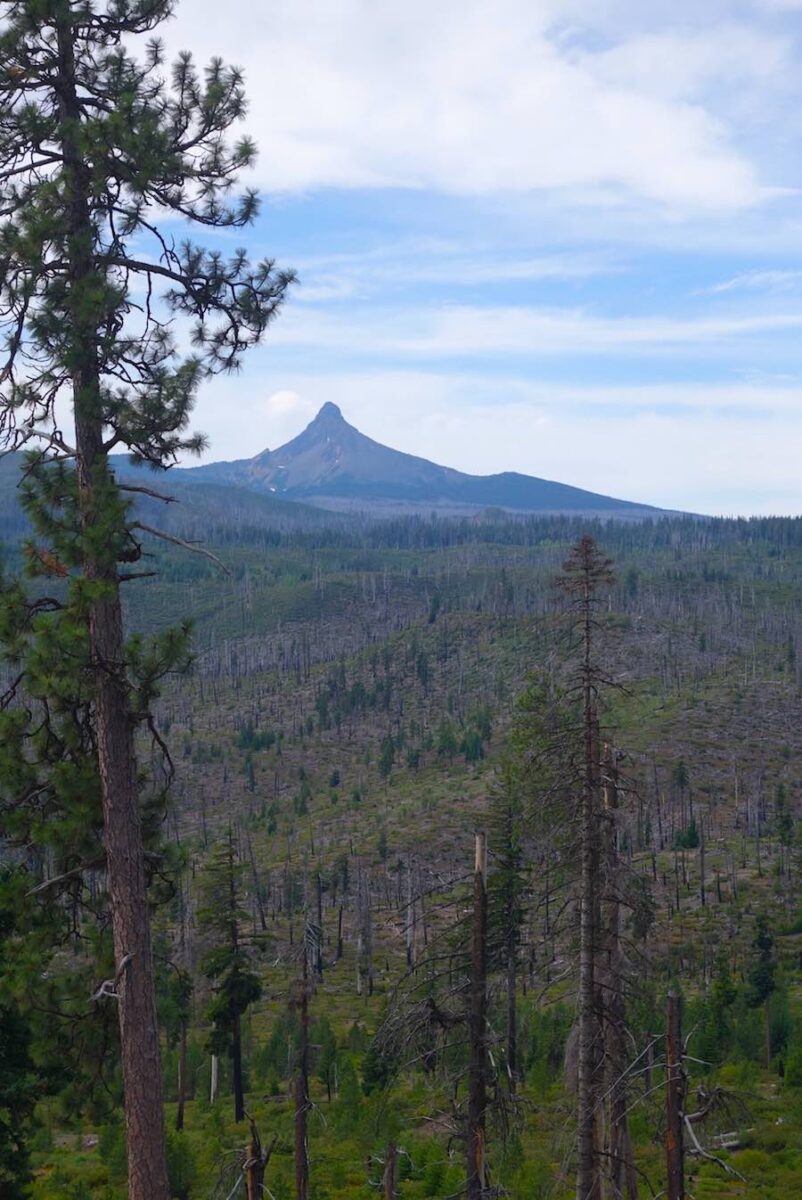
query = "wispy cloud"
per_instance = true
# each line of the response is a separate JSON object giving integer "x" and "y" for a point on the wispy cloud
{"x": 474, "y": 331}
{"x": 771, "y": 280}
{"x": 387, "y": 270}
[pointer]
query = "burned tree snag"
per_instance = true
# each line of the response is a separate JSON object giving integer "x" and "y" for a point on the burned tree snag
{"x": 675, "y": 1091}
{"x": 477, "y": 1070}
{"x": 302, "y": 1087}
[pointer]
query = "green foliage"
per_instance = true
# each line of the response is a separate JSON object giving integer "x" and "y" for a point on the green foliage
{"x": 687, "y": 839}
{"x": 228, "y": 960}
{"x": 182, "y": 1167}
{"x": 761, "y": 977}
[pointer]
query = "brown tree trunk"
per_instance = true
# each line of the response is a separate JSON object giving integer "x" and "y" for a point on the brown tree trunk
{"x": 302, "y": 1093}
{"x": 236, "y": 1069}
{"x": 512, "y": 1012}
{"x": 114, "y": 727}
{"x": 675, "y": 1091}
{"x": 477, "y": 1069}
{"x": 182, "y": 1077}
{"x": 588, "y": 1182}
{"x": 619, "y": 1162}
{"x": 388, "y": 1182}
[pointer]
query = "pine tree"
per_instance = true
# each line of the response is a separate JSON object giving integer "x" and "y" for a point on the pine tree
{"x": 18, "y": 1084}
{"x": 94, "y": 144}
{"x": 228, "y": 960}
{"x": 761, "y": 978}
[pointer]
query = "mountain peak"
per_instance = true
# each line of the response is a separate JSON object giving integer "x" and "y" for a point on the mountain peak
{"x": 332, "y": 462}
{"x": 329, "y": 411}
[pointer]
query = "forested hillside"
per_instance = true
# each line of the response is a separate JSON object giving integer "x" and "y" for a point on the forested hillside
{"x": 364, "y": 697}
{"x": 369, "y": 827}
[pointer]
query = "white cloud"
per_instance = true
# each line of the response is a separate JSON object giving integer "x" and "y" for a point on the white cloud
{"x": 470, "y": 330}
{"x": 419, "y": 262}
{"x": 769, "y": 280}
{"x": 475, "y": 97}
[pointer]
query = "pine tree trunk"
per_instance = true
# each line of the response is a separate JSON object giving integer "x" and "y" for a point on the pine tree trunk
{"x": 388, "y": 1182}
{"x": 619, "y": 1163}
{"x": 139, "y": 1033}
{"x": 182, "y": 1077}
{"x": 587, "y": 1177}
{"x": 477, "y": 1069}
{"x": 674, "y": 1099}
{"x": 236, "y": 1069}
{"x": 302, "y": 1094}
{"x": 512, "y": 1013}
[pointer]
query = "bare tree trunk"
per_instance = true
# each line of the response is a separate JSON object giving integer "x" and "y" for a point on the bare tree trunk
{"x": 215, "y": 1078}
{"x": 588, "y": 1181}
{"x": 388, "y": 1181}
{"x": 236, "y": 1069}
{"x": 256, "y": 1160}
{"x": 619, "y": 1161}
{"x": 302, "y": 1092}
{"x": 409, "y": 921}
{"x": 512, "y": 1013}
{"x": 702, "y": 891}
{"x": 675, "y": 1090}
{"x": 114, "y": 728}
{"x": 182, "y": 1076}
{"x": 477, "y": 1069}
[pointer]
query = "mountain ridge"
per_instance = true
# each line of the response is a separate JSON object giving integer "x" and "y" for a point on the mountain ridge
{"x": 331, "y": 464}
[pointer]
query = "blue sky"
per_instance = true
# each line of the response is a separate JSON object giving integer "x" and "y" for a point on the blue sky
{"x": 557, "y": 236}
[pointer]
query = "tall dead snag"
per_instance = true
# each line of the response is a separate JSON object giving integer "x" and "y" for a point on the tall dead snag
{"x": 618, "y": 1162}
{"x": 256, "y": 1159}
{"x": 388, "y": 1181}
{"x": 584, "y": 573}
{"x": 675, "y": 1092}
{"x": 477, "y": 1024}
{"x": 302, "y": 1084}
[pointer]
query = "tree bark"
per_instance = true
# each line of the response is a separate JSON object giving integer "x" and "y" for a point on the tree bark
{"x": 388, "y": 1182}
{"x": 302, "y": 1093}
{"x": 182, "y": 1077}
{"x": 125, "y": 864}
{"x": 588, "y": 1183}
{"x": 619, "y": 1162}
{"x": 477, "y": 1069}
{"x": 675, "y": 1090}
{"x": 236, "y": 1069}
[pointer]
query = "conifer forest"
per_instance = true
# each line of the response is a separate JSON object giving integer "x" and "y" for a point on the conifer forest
{"x": 343, "y": 854}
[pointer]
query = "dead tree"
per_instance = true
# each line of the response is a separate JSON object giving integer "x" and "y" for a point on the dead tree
{"x": 388, "y": 1180}
{"x": 619, "y": 1166}
{"x": 477, "y": 1026}
{"x": 584, "y": 573}
{"x": 675, "y": 1099}
{"x": 256, "y": 1159}
{"x": 302, "y": 1083}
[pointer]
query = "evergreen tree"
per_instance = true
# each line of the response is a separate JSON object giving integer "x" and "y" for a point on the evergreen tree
{"x": 228, "y": 961}
{"x": 761, "y": 977}
{"x": 18, "y": 1085}
{"x": 94, "y": 144}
